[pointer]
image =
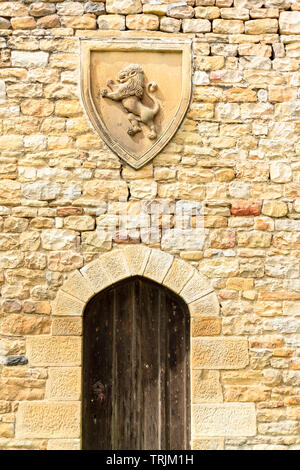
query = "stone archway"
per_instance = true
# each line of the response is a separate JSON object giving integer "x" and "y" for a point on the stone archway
{"x": 58, "y": 417}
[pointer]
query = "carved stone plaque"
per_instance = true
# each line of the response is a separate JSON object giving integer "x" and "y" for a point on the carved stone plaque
{"x": 136, "y": 93}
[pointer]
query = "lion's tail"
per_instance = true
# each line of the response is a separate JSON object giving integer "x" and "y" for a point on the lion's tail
{"x": 151, "y": 88}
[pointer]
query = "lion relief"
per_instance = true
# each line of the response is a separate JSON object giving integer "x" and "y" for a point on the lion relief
{"x": 130, "y": 90}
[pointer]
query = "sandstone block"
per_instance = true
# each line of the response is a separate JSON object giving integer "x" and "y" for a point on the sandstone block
{"x": 208, "y": 444}
{"x": 67, "y": 326}
{"x": 206, "y": 386}
{"x": 58, "y": 239}
{"x": 37, "y": 107}
{"x": 205, "y": 306}
{"x": 195, "y": 288}
{"x": 67, "y": 108}
{"x": 261, "y": 26}
{"x": 170, "y": 25}
{"x": 53, "y": 351}
{"x": 254, "y": 239}
{"x": 240, "y": 95}
{"x": 111, "y": 22}
{"x": 219, "y": 353}
{"x": 275, "y": 209}
{"x": 137, "y": 258}
{"x": 29, "y": 59}
{"x": 205, "y": 326}
{"x": 80, "y": 22}
{"x": 280, "y": 172}
{"x": 66, "y": 304}
{"x": 158, "y": 265}
{"x": 178, "y": 275}
{"x": 48, "y": 420}
{"x": 289, "y": 22}
{"x": 124, "y": 7}
{"x": 64, "y": 383}
{"x": 142, "y": 22}
{"x": 96, "y": 8}
{"x": 64, "y": 261}
{"x": 8, "y": 9}
{"x": 25, "y": 22}
{"x": 80, "y": 223}
{"x": 69, "y": 8}
{"x": 181, "y": 12}
{"x": 245, "y": 207}
{"x": 77, "y": 286}
{"x": 96, "y": 275}
{"x": 63, "y": 444}
{"x": 38, "y": 9}
{"x": 17, "y": 324}
{"x": 228, "y": 26}
{"x": 228, "y": 419}
{"x": 209, "y": 13}
{"x": 222, "y": 267}
{"x": 196, "y": 26}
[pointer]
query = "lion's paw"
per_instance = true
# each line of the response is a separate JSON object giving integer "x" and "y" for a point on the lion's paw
{"x": 104, "y": 92}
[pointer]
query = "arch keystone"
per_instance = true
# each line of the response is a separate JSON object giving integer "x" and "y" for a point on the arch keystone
{"x": 137, "y": 257}
{"x": 115, "y": 265}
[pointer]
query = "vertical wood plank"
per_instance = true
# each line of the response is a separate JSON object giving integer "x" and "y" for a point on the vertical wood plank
{"x": 97, "y": 379}
{"x": 149, "y": 310}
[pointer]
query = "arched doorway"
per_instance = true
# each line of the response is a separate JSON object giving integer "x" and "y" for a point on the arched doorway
{"x": 136, "y": 382}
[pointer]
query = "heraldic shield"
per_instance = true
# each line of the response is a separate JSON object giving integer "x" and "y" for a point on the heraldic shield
{"x": 136, "y": 93}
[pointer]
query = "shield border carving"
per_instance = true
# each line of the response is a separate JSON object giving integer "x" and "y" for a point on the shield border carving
{"x": 184, "y": 45}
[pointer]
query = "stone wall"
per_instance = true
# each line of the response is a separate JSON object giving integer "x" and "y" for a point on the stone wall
{"x": 237, "y": 151}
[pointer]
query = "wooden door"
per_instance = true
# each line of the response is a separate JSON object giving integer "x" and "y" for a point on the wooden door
{"x": 136, "y": 382}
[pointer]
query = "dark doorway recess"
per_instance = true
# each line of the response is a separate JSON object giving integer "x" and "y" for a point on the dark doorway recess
{"x": 136, "y": 371}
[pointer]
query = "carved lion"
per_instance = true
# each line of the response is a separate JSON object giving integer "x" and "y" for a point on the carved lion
{"x": 130, "y": 90}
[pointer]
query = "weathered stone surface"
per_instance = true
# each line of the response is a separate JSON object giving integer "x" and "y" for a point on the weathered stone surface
{"x": 289, "y": 22}
{"x": 111, "y": 22}
{"x": 219, "y": 353}
{"x": 16, "y": 324}
{"x": 206, "y": 387}
{"x": 37, "y": 107}
{"x": 63, "y": 444}
{"x": 48, "y": 420}
{"x": 64, "y": 383}
{"x": 228, "y": 419}
{"x": 58, "y": 239}
{"x": 178, "y": 275}
{"x": 66, "y": 304}
{"x": 158, "y": 265}
{"x": 54, "y": 351}
{"x": 205, "y": 326}
{"x": 124, "y": 7}
{"x": 142, "y": 22}
{"x": 208, "y": 444}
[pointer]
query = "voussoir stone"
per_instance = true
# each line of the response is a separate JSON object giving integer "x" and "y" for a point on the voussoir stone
{"x": 195, "y": 288}
{"x": 66, "y": 304}
{"x": 178, "y": 275}
{"x": 158, "y": 265}
{"x": 78, "y": 286}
